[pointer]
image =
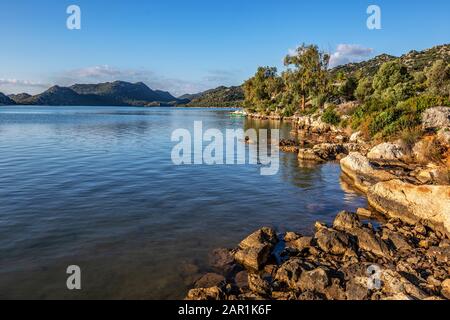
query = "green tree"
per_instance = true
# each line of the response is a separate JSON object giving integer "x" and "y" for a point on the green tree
{"x": 393, "y": 82}
{"x": 438, "y": 78}
{"x": 309, "y": 75}
{"x": 348, "y": 87}
{"x": 364, "y": 89}
{"x": 262, "y": 90}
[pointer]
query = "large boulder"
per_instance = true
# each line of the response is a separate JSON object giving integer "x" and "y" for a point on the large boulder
{"x": 254, "y": 251}
{"x": 362, "y": 172}
{"x": 387, "y": 153}
{"x": 427, "y": 204}
{"x": 436, "y": 118}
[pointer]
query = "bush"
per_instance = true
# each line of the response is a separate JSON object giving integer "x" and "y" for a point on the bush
{"x": 330, "y": 116}
{"x": 384, "y": 119}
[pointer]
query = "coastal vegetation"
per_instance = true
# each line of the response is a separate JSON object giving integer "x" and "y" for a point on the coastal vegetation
{"x": 386, "y": 95}
{"x": 218, "y": 97}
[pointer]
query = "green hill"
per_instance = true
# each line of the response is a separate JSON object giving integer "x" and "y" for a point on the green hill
{"x": 218, "y": 97}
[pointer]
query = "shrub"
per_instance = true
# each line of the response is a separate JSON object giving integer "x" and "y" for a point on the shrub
{"x": 385, "y": 119}
{"x": 364, "y": 89}
{"x": 330, "y": 116}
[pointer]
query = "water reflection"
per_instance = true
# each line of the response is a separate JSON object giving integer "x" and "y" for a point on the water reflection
{"x": 96, "y": 187}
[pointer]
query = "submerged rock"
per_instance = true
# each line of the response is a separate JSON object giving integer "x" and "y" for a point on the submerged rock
{"x": 210, "y": 280}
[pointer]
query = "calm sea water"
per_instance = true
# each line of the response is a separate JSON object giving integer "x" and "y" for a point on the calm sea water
{"x": 96, "y": 187}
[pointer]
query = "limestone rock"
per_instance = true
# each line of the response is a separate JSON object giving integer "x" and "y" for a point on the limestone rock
{"x": 328, "y": 151}
{"x": 214, "y": 293}
{"x": 369, "y": 241}
{"x": 241, "y": 279}
{"x": 258, "y": 285}
{"x": 222, "y": 261}
{"x": 446, "y": 288}
{"x": 332, "y": 241}
{"x": 362, "y": 172}
{"x": 345, "y": 221}
{"x": 314, "y": 280}
{"x": 210, "y": 280}
{"x": 427, "y": 204}
{"x": 289, "y": 272}
{"x": 436, "y": 118}
{"x": 398, "y": 241}
{"x": 356, "y": 137}
{"x": 308, "y": 155}
{"x": 254, "y": 251}
{"x": 388, "y": 153}
{"x": 300, "y": 244}
{"x": 394, "y": 284}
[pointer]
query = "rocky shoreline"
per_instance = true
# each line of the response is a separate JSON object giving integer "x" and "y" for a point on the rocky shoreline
{"x": 406, "y": 257}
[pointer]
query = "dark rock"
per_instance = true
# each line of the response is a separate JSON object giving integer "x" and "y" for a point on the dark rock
{"x": 397, "y": 240}
{"x": 289, "y": 272}
{"x": 346, "y": 221}
{"x": 241, "y": 279}
{"x": 357, "y": 289}
{"x": 210, "y": 280}
{"x": 331, "y": 241}
{"x": 314, "y": 280}
{"x": 214, "y": 293}
{"x": 369, "y": 241}
{"x": 310, "y": 296}
{"x": 258, "y": 284}
{"x": 222, "y": 260}
{"x": 440, "y": 254}
{"x": 300, "y": 244}
{"x": 254, "y": 251}
{"x": 446, "y": 288}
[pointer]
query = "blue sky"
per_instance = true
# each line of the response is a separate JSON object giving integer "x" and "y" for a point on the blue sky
{"x": 191, "y": 45}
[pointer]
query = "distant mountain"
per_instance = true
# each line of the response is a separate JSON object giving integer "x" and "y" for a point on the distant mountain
{"x": 5, "y": 100}
{"x": 190, "y": 97}
{"x": 117, "y": 93}
{"x": 19, "y": 98}
{"x": 218, "y": 97}
{"x": 62, "y": 96}
{"x": 120, "y": 92}
{"x": 414, "y": 61}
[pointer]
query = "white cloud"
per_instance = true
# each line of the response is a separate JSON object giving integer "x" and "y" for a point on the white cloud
{"x": 177, "y": 87}
{"x": 8, "y": 86}
{"x": 106, "y": 73}
{"x": 346, "y": 53}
